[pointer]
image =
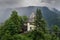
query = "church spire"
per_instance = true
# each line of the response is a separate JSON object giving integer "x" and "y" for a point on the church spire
{"x": 32, "y": 16}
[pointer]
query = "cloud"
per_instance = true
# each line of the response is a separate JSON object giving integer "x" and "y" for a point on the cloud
{"x": 23, "y": 3}
{"x": 20, "y": 3}
{"x": 53, "y": 3}
{"x": 9, "y": 3}
{"x": 47, "y": 1}
{"x": 4, "y": 4}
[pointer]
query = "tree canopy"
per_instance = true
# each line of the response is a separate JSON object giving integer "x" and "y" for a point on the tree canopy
{"x": 11, "y": 29}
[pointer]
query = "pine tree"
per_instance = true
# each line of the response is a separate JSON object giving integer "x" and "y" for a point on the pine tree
{"x": 12, "y": 26}
{"x": 56, "y": 31}
{"x": 39, "y": 20}
{"x": 14, "y": 23}
{"x": 39, "y": 32}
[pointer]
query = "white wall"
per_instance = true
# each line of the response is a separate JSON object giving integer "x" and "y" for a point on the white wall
{"x": 30, "y": 27}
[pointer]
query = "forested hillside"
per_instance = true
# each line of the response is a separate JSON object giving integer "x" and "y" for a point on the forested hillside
{"x": 52, "y": 16}
{"x": 11, "y": 29}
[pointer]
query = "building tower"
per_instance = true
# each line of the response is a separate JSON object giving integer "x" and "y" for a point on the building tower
{"x": 30, "y": 24}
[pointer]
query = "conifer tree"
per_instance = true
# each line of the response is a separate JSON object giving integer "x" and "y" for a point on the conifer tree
{"x": 11, "y": 27}
{"x": 39, "y": 20}
{"x": 39, "y": 32}
{"x": 56, "y": 31}
{"x": 14, "y": 23}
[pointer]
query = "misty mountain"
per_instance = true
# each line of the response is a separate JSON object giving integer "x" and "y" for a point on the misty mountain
{"x": 51, "y": 16}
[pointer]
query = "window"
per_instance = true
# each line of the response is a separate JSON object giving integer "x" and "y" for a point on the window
{"x": 30, "y": 28}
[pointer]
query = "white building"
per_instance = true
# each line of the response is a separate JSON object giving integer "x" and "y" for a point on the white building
{"x": 30, "y": 23}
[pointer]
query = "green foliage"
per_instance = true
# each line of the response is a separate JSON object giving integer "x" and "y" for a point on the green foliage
{"x": 14, "y": 23}
{"x": 56, "y": 31}
{"x": 12, "y": 27}
{"x": 21, "y": 37}
{"x": 54, "y": 37}
{"x": 55, "y": 28}
{"x": 25, "y": 18}
{"x": 39, "y": 21}
{"x": 39, "y": 32}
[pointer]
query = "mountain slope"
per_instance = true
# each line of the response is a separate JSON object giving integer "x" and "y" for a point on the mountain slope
{"x": 52, "y": 16}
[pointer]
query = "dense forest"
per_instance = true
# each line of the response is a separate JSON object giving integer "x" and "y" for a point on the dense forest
{"x": 11, "y": 29}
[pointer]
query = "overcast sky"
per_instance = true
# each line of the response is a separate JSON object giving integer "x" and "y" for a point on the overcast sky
{"x": 22, "y": 3}
{"x": 4, "y": 4}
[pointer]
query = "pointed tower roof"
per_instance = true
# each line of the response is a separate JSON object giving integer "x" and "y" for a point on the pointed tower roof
{"x": 32, "y": 16}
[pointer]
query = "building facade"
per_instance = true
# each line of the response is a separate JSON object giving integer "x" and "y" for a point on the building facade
{"x": 30, "y": 23}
